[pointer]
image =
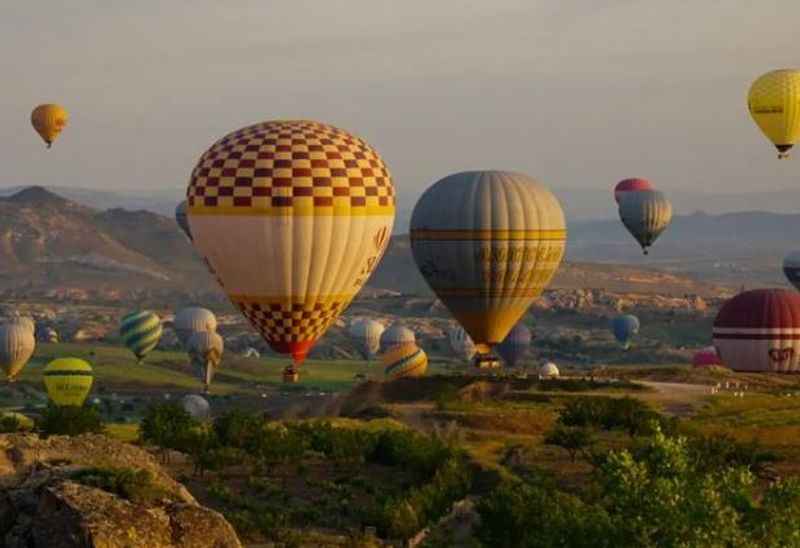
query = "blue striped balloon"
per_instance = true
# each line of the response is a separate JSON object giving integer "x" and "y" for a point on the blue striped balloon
{"x": 515, "y": 346}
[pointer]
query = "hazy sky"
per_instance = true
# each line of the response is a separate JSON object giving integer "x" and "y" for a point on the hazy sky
{"x": 576, "y": 93}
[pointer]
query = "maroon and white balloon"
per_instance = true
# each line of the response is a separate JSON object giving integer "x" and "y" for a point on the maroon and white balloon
{"x": 759, "y": 331}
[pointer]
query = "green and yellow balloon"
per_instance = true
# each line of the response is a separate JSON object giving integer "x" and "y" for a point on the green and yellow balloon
{"x": 140, "y": 331}
{"x": 68, "y": 381}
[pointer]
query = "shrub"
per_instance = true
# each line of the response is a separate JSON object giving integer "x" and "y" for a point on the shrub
{"x": 574, "y": 440}
{"x": 135, "y": 485}
{"x": 169, "y": 426}
{"x": 629, "y": 414}
{"x": 70, "y": 421}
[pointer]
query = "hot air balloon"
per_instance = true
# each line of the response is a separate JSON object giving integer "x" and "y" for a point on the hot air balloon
{"x": 68, "y": 381}
{"x": 625, "y": 327}
{"x": 25, "y": 321}
{"x": 17, "y": 344}
{"x": 706, "y": 357}
{"x": 461, "y": 342}
{"x": 774, "y": 104}
{"x": 515, "y": 345}
{"x": 197, "y": 406}
{"x": 645, "y": 214}
{"x": 293, "y": 216}
{"x": 488, "y": 258}
{"x": 140, "y": 332}
{"x": 791, "y": 268}
{"x": 405, "y": 360}
{"x": 182, "y": 220}
{"x": 396, "y": 335}
{"x": 631, "y": 185}
{"x": 759, "y": 330}
{"x": 367, "y": 336}
{"x": 23, "y": 422}
{"x": 191, "y": 320}
{"x": 48, "y": 120}
{"x": 205, "y": 352}
{"x": 549, "y": 371}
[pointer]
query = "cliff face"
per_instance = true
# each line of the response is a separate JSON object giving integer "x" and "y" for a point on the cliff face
{"x": 44, "y": 503}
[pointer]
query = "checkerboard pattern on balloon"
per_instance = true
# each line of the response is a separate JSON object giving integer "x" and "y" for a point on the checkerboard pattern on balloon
{"x": 297, "y": 322}
{"x": 287, "y": 167}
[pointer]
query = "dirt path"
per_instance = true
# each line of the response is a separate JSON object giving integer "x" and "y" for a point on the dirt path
{"x": 676, "y": 398}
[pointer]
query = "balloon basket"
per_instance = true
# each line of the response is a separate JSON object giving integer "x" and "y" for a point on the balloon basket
{"x": 487, "y": 361}
{"x": 290, "y": 375}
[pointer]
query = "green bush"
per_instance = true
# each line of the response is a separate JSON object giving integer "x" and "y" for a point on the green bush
{"x": 135, "y": 485}
{"x": 70, "y": 421}
{"x": 628, "y": 414}
{"x": 574, "y": 440}
{"x": 169, "y": 426}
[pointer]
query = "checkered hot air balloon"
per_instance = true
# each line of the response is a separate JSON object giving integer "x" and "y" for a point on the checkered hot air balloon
{"x": 293, "y": 217}
{"x": 140, "y": 332}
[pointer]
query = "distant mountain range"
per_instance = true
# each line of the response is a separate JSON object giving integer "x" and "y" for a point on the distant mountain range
{"x": 48, "y": 240}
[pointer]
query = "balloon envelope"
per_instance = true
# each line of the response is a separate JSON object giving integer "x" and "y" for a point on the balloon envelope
{"x": 759, "y": 331}
{"x": 205, "y": 351}
{"x": 706, "y": 357}
{"x": 49, "y": 120}
{"x": 488, "y": 258}
{"x": 68, "y": 381}
{"x": 314, "y": 206}
{"x": 791, "y": 268}
{"x": 646, "y": 214}
{"x": 631, "y": 185}
{"x": 140, "y": 332}
{"x": 191, "y": 320}
{"x": 549, "y": 371}
{"x": 461, "y": 342}
{"x": 182, "y": 219}
{"x": 367, "y": 336}
{"x": 625, "y": 327}
{"x": 405, "y": 360}
{"x": 197, "y": 406}
{"x": 515, "y": 346}
{"x": 17, "y": 344}
{"x": 774, "y": 104}
{"x": 396, "y": 335}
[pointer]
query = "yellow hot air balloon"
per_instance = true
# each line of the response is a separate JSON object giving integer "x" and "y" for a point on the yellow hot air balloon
{"x": 488, "y": 258}
{"x": 48, "y": 120}
{"x": 774, "y": 103}
{"x": 68, "y": 381}
{"x": 293, "y": 217}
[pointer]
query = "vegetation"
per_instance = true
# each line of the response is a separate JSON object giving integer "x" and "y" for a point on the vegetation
{"x": 659, "y": 494}
{"x": 135, "y": 485}
{"x": 70, "y": 421}
{"x": 628, "y": 414}
{"x": 576, "y": 440}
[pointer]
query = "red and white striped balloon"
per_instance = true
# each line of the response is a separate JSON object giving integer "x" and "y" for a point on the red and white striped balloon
{"x": 759, "y": 331}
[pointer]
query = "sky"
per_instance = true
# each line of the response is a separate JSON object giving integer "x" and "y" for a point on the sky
{"x": 577, "y": 93}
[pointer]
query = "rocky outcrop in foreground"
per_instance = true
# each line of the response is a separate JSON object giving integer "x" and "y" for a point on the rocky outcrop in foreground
{"x": 44, "y": 502}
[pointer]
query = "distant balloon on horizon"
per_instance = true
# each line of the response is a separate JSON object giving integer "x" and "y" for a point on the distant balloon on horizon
{"x": 634, "y": 184}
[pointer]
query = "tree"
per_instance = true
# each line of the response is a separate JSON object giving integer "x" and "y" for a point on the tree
{"x": 574, "y": 439}
{"x": 168, "y": 426}
{"x": 70, "y": 420}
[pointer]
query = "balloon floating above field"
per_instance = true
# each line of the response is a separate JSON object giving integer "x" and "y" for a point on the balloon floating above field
{"x": 205, "y": 351}
{"x": 488, "y": 258}
{"x": 49, "y": 120}
{"x": 549, "y": 371}
{"x": 759, "y": 331}
{"x": 396, "y": 335}
{"x": 646, "y": 214}
{"x": 461, "y": 342}
{"x": 68, "y": 381}
{"x": 631, "y": 185}
{"x": 182, "y": 220}
{"x": 197, "y": 406}
{"x": 405, "y": 360}
{"x": 774, "y": 104}
{"x": 17, "y": 344}
{"x": 516, "y": 344}
{"x": 791, "y": 268}
{"x": 367, "y": 336}
{"x": 191, "y": 320}
{"x": 706, "y": 357}
{"x": 625, "y": 327}
{"x": 293, "y": 217}
{"x": 140, "y": 331}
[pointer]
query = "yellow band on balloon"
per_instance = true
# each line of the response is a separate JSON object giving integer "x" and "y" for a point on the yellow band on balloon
{"x": 544, "y": 234}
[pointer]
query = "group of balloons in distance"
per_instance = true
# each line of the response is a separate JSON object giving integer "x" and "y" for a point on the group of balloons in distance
{"x": 292, "y": 217}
